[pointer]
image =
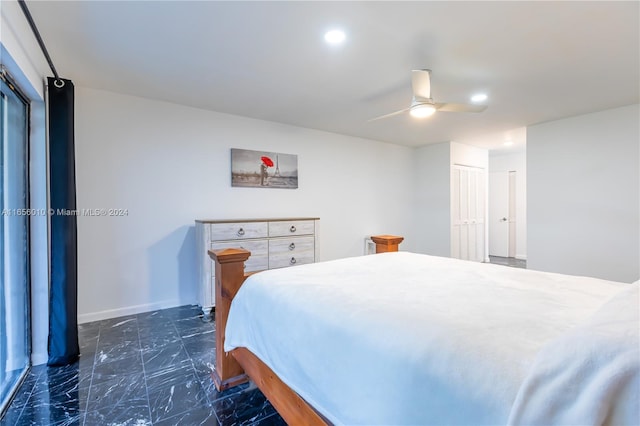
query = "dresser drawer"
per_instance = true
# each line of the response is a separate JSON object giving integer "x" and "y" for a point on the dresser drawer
{"x": 289, "y": 228}
{"x": 259, "y": 259}
{"x": 238, "y": 230}
{"x": 281, "y": 260}
{"x": 292, "y": 246}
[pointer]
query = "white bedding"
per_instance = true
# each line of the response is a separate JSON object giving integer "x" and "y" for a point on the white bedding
{"x": 402, "y": 338}
{"x": 589, "y": 375}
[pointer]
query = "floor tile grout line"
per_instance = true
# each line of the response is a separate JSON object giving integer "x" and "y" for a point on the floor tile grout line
{"x": 175, "y": 328}
{"x": 21, "y": 408}
{"x": 193, "y": 365}
{"x": 193, "y": 368}
{"x": 144, "y": 370}
{"x": 144, "y": 373}
{"x": 93, "y": 369}
{"x": 26, "y": 402}
{"x": 215, "y": 413}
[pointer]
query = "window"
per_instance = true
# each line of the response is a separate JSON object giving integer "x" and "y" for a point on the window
{"x": 15, "y": 316}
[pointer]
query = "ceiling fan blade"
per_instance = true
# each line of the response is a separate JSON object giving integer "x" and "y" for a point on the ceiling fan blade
{"x": 460, "y": 108}
{"x": 390, "y": 115}
{"x": 421, "y": 83}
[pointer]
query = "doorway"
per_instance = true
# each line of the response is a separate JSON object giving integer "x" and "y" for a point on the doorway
{"x": 503, "y": 219}
{"x": 502, "y": 214}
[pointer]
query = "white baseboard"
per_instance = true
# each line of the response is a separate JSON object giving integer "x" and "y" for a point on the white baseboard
{"x": 129, "y": 310}
{"x": 521, "y": 256}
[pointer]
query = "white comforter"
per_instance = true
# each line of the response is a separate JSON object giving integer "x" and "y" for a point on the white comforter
{"x": 402, "y": 338}
{"x": 589, "y": 375}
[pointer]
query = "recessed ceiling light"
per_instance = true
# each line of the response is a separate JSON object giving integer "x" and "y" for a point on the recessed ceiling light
{"x": 334, "y": 36}
{"x": 479, "y": 97}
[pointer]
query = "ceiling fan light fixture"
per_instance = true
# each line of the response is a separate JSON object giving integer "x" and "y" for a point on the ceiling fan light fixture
{"x": 422, "y": 104}
{"x": 422, "y": 110}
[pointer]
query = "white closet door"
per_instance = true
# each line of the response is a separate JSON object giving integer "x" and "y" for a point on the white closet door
{"x": 464, "y": 214}
{"x": 458, "y": 222}
{"x": 467, "y": 209}
{"x": 455, "y": 214}
{"x": 481, "y": 201}
{"x": 473, "y": 216}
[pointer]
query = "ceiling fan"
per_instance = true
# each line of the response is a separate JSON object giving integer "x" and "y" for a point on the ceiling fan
{"x": 422, "y": 105}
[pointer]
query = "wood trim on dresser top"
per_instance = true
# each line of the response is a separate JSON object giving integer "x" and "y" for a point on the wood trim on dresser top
{"x": 240, "y": 365}
{"x": 287, "y": 219}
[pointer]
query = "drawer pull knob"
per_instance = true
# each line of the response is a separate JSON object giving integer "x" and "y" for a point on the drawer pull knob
{"x": 293, "y": 261}
{"x": 240, "y": 232}
{"x": 292, "y": 246}
{"x": 292, "y": 229}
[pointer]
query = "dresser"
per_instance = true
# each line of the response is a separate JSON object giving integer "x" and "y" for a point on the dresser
{"x": 273, "y": 243}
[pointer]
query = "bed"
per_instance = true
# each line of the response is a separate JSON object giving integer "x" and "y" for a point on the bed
{"x": 403, "y": 338}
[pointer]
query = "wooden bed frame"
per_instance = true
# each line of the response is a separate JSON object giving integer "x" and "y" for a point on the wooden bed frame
{"x": 240, "y": 365}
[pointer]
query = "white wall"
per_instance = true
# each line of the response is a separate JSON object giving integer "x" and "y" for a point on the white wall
{"x": 466, "y": 155}
{"x": 583, "y": 195}
{"x": 500, "y": 161}
{"x": 20, "y": 54}
{"x": 432, "y": 215}
{"x": 169, "y": 165}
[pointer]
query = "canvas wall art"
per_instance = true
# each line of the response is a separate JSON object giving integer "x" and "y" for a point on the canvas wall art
{"x": 260, "y": 169}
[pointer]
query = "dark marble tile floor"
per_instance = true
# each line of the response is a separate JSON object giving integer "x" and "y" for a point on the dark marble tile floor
{"x": 146, "y": 369}
{"x": 508, "y": 261}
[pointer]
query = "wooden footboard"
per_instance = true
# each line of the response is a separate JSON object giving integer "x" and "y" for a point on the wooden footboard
{"x": 229, "y": 277}
{"x": 240, "y": 364}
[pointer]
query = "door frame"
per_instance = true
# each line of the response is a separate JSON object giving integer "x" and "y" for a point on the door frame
{"x": 8, "y": 85}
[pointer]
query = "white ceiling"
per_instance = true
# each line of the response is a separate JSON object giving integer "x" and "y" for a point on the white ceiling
{"x": 537, "y": 61}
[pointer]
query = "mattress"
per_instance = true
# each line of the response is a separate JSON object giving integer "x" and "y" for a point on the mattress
{"x": 403, "y": 338}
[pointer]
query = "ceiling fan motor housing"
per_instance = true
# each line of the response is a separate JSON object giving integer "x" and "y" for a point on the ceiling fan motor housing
{"x": 422, "y": 107}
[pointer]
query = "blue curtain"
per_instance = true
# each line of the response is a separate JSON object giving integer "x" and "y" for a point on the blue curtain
{"x": 63, "y": 287}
